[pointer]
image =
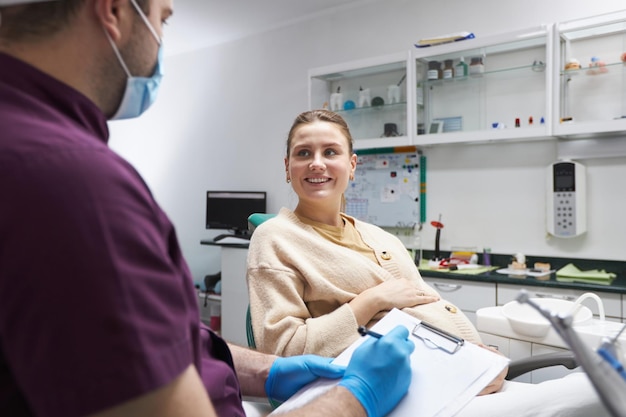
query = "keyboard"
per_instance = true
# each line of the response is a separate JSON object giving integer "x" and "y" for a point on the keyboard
{"x": 231, "y": 240}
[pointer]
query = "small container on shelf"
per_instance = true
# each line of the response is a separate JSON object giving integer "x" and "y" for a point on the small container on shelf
{"x": 393, "y": 94}
{"x": 572, "y": 64}
{"x": 365, "y": 99}
{"x": 336, "y": 100}
{"x": 461, "y": 69}
{"x": 597, "y": 66}
{"x": 476, "y": 66}
{"x": 448, "y": 69}
{"x": 434, "y": 70}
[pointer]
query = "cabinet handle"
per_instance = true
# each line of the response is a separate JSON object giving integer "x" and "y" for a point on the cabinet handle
{"x": 560, "y": 297}
{"x": 447, "y": 287}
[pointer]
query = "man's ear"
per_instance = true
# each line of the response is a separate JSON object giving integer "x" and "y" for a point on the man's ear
{"x": 114, "y": 17}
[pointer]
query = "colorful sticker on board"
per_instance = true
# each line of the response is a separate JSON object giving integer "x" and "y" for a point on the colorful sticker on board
{"x": 382, "y": 163}
{"x": 389, "y": 194}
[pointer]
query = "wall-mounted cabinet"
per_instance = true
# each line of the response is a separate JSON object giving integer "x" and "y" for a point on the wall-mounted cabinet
{"x": 590, "y": 68}
{"x": 484, "y": 89}
{"x": 512, "y": 86}
{"x": 371, "y": 95}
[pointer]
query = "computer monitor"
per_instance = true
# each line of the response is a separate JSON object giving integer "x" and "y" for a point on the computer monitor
{"x": 230, "y": 209}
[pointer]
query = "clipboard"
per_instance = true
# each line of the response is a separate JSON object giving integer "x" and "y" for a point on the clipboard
{"x": 447, "y": 371}
{"x": 436, "y": 338}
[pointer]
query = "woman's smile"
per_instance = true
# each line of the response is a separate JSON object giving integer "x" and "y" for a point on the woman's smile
{"x": 318, "y": 180}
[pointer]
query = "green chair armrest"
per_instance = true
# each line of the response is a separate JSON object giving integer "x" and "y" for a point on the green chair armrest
{"x": 256, "y": 219}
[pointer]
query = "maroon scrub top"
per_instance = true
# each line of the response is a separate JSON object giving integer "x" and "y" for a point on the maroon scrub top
{"x": 97, "y": 305}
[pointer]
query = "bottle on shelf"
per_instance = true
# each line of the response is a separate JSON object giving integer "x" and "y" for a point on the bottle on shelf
{"x": 448, "y": 69}
{"x": 434, "y": 70}
{"x": 461, "y": 69}
{"x": 336, "y": 100}
{"x": 419, "y": 94}
{"x": 476, "y": 66}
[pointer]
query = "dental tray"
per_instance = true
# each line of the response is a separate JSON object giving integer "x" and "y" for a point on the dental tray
{"x": 525, "y": 272}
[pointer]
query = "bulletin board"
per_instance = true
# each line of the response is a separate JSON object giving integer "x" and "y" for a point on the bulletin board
{"x": 389, "y": 189}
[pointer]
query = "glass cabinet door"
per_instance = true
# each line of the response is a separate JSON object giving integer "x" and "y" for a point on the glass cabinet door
{"x": 590, "y": 75}
{"x": 371, "y": 95}
{"x": 484, "y": 89}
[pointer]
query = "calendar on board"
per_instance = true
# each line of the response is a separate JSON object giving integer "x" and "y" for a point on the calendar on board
{"x": 389, "y": 187}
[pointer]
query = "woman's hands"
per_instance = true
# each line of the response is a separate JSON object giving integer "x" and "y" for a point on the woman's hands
{"x": 496, "y": 384}
{"x": 398, "y": 293}
{"x": 401, "y": 293}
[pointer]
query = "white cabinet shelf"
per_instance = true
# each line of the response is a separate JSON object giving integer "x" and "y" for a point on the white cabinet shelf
{"x": 594, "y": 96}
{"x": 371, "y": 95}
{"x": 509, "y": 98}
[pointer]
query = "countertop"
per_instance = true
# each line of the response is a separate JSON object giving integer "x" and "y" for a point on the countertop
{"x": 618, "y": 285}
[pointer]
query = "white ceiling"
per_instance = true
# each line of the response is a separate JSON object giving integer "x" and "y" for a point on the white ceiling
{"x": 199, "y": 24}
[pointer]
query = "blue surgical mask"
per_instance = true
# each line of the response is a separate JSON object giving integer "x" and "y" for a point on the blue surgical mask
{"x": 140, "y": 92}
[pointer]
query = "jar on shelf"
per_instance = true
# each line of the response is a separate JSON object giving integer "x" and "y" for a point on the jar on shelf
{"x": 476, "y": 65}
{"x": 434, "y": 70}
{"x": 461, "y": 69}
{"x": 448, "y": 69}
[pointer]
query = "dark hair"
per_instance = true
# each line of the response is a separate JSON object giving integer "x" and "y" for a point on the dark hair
{"x": 320, "y": 115}
{"x": 37, "y": 20}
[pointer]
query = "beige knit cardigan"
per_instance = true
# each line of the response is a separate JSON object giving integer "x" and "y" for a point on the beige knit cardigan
{"x": 299, "y": 285}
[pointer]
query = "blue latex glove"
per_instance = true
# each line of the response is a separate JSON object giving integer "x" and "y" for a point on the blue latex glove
{"x": 288, "y": 375}
{"x": 379, "y": 372}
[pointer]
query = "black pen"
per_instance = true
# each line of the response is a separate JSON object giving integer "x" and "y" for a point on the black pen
{"x": 364, "y": 331}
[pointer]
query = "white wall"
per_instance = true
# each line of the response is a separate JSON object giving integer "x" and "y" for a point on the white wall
{"x": 223, "y": 114}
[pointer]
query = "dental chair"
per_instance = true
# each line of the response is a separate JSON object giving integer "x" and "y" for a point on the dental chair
{"x": 255, "y": 219}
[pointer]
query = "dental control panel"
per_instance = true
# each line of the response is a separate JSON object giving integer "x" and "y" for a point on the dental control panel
{"x": 566, "y": 199}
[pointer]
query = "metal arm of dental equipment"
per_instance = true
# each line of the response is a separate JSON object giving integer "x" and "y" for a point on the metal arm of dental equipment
{"x": 602, "y": 367}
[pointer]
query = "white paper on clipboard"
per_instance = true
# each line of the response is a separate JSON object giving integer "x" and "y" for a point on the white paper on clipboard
{"x": 442, "y": 383}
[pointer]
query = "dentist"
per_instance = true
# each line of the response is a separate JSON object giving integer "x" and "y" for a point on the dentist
{"x": 98, "y": 313}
